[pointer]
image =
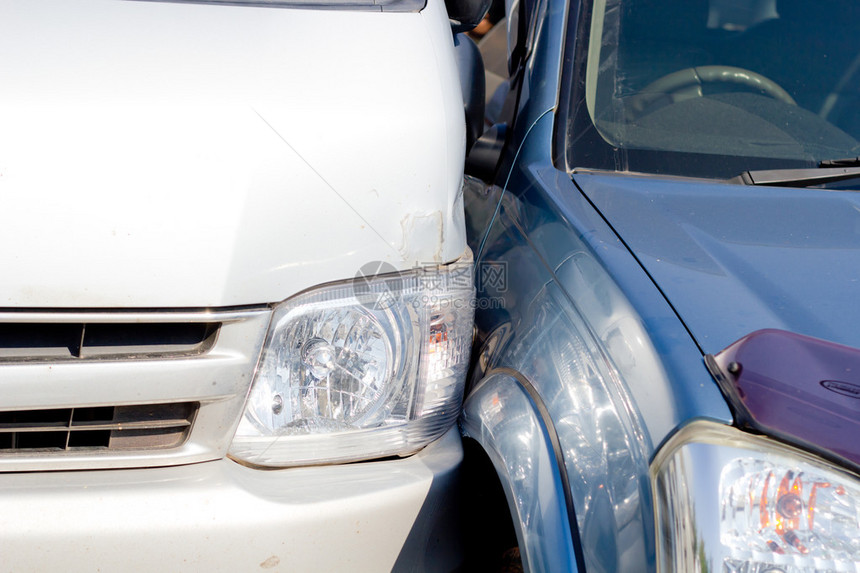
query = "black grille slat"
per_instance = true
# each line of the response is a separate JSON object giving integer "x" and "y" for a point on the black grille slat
{"x": 93, "y": 415}
{"x": 153, "y": 412}
{"x": 36, "y": 341}
{"x": 143, "y": 440}
{"x": 29, "y": 418}
{"x": 146, "y": 426}
{"x": 39, "y": 341}
{"x": 40, "y": 441}
{"x": 153, "y": 339}
{"x": 91, "y": 439}
{"x": 78, "y": 427}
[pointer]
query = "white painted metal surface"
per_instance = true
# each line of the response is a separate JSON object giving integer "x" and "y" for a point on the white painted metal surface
{"x": 160, "y": 154}
{"x": 178, "y": 157}
{"x": 220, "y": 516}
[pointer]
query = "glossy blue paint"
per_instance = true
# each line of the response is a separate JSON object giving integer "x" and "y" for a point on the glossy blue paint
{"x": 733, "y": 259}
{"x": 616, "y": 287}
{"x": 502, "y": 407}
{"x": 548, "y": 226}
{"x": 572, "y": 284}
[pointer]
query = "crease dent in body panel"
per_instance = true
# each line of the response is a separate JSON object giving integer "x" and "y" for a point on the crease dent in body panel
{"x": 324, "y": 180}
{"x": 423, "y": 233}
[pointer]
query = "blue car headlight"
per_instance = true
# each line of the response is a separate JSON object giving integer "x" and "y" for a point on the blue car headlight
{"x": 738, "y": 503}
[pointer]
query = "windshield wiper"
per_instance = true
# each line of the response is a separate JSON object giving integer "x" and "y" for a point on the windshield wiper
{"x": 828, "y": 171}
{"x": 847, "y": 162}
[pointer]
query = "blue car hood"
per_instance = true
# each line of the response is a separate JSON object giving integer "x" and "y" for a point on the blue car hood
{"x": 732, "y": 259}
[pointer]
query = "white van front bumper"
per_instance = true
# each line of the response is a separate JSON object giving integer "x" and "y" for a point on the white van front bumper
{"x": 221, "y": 516}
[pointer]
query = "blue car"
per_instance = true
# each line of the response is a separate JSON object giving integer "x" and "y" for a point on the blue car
{"x": 666, "y": 227}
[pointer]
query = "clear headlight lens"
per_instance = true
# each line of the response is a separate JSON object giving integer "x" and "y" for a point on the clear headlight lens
{"x": 788, "y": 509}
{"x": 361, "y": 369}
{"x": 732, "y": 502}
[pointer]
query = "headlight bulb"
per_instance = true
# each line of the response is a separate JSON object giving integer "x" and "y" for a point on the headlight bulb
{"x": 318, "y": 356}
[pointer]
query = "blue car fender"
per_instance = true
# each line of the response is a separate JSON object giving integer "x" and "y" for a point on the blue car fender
{"x": 508, "y": 419}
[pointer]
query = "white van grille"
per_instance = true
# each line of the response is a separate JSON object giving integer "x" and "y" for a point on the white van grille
{"x": 149, "y": 426}
{"x": 28, "y": 342}
{"x": 87, "y": 390}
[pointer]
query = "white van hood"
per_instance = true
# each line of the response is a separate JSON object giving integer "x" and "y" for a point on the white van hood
{"x": 184, "y": 155}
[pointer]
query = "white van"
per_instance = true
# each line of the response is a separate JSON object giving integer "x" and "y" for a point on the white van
{"x": 192, "y": 378}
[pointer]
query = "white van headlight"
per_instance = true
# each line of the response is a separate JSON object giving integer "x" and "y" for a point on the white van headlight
{"x": 361, "y": 369}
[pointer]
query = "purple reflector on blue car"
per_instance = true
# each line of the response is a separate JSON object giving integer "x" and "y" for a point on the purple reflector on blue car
{"x": 795, "y": 388}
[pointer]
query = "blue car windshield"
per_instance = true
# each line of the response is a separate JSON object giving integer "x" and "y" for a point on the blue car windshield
{"x": 712, "y": 88}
